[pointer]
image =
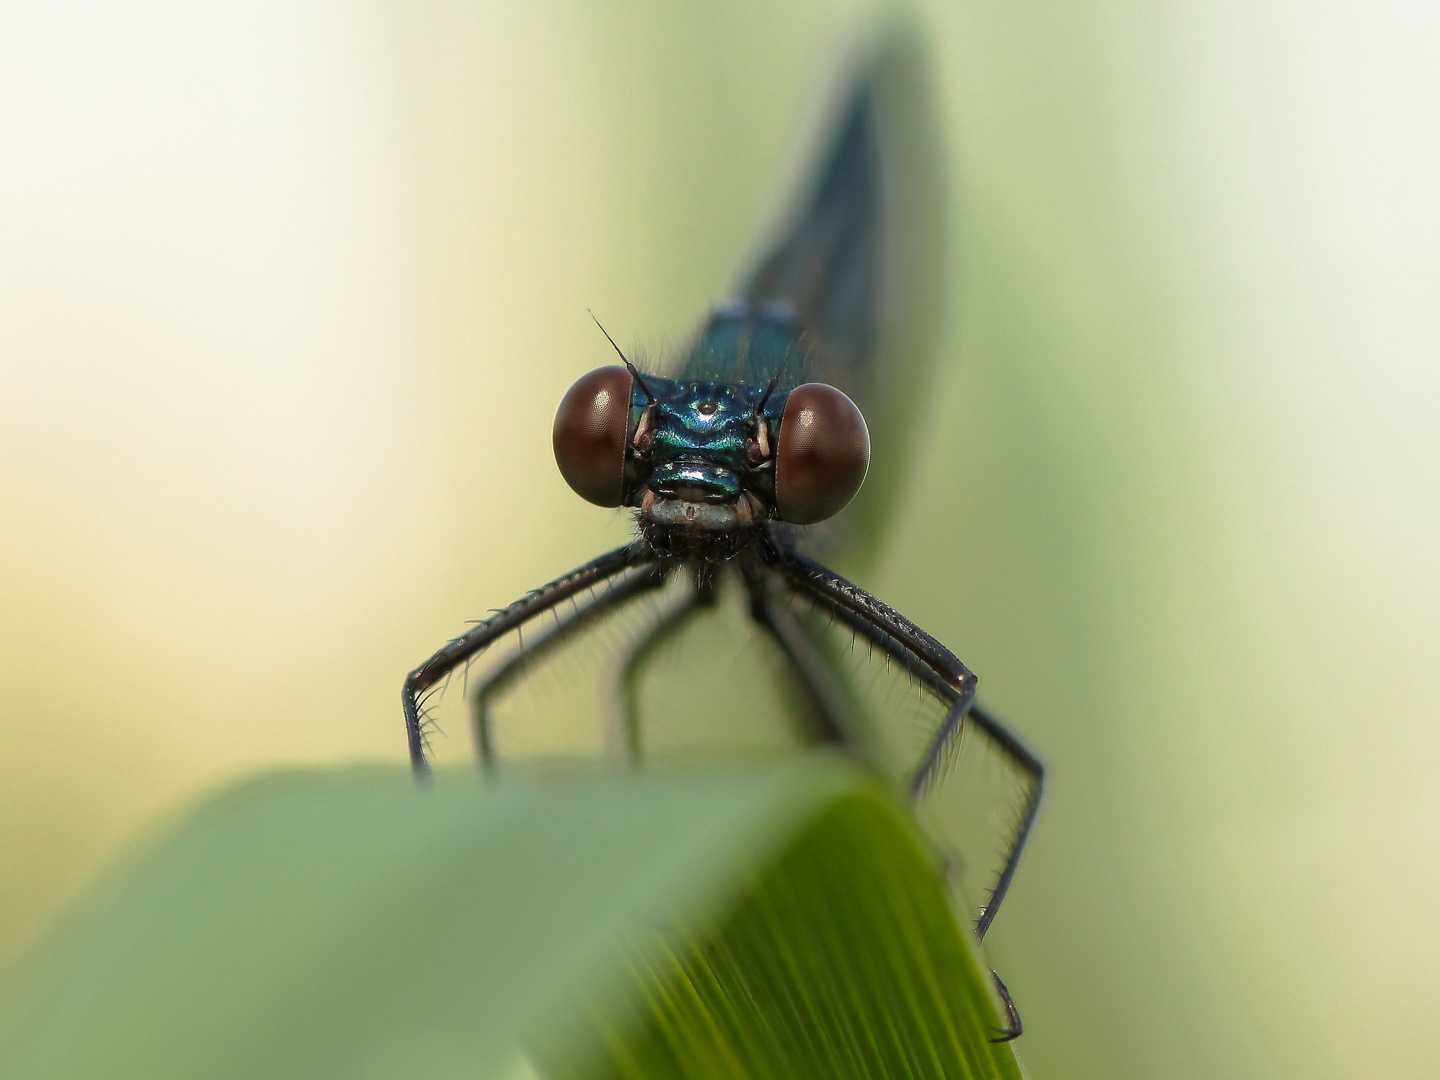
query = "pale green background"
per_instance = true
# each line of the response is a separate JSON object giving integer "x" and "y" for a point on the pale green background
{"x": 288, "y": 293}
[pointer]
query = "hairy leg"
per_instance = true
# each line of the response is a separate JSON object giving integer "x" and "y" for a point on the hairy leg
{"x": 497, "y": 680}
{"x": 455, "y": 652}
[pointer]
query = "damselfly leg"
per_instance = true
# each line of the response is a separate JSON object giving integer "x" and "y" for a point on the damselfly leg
{"x": 433, "y": 672}
{"x": 630, "y": 672}
{"x": 619, "y": 592}
{"x": 825, "y": 706}
{"x": 945, "y": 675}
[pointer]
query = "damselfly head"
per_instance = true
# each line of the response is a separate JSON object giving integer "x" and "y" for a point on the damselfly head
{"x": 704, "y": 456}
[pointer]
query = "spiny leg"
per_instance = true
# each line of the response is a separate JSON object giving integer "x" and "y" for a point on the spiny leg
{"x": 936, "y": 666}
{"x": 945, "y": 736}
{"x": 827, "y": 708}
{"x": 1030, "y": 765}
{"x": 952, "y": 681}
{"x": 498, "y": 679}
{"x": 638, "y": 656}
{"x": 458, "y": 650}
{"x": 949, "y": 731}
{"x": 941, "y": 671}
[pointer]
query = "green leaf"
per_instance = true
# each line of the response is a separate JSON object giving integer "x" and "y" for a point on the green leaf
{"x": 780, "y": 921}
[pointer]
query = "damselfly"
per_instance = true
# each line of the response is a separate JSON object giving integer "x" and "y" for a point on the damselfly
{"x": 739, "y": 459}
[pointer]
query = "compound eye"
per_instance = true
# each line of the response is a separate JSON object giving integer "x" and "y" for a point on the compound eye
{"x": 822, "y": 454}
{"x": 590, "y": 429}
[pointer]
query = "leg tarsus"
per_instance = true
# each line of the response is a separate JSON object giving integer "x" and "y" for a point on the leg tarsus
{"x": 1014, "y": 1026}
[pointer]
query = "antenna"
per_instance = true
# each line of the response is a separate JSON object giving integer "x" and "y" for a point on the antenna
{"x": 634, "y": 374}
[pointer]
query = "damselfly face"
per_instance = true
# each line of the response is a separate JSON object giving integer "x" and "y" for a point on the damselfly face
{"x": 709, "y": 463}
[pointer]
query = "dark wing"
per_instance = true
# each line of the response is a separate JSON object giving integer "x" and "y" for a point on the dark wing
{"x": 858, "y": 268}
{"x": 825, "y": 272}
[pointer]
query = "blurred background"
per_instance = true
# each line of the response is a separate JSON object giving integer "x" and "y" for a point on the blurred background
{"x": 288, "y": 293}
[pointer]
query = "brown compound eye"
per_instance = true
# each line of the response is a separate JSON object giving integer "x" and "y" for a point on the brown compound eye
{"x": 590, "y": 429}
{"x": 822, "y": 455}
